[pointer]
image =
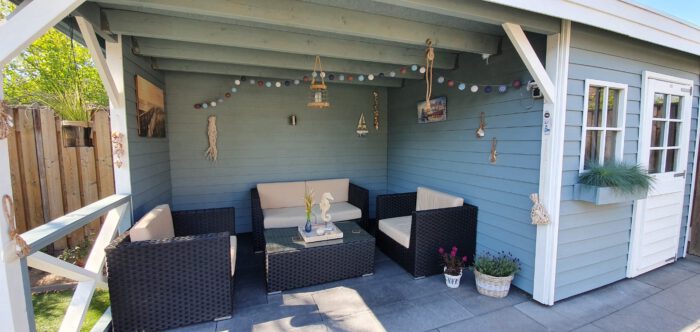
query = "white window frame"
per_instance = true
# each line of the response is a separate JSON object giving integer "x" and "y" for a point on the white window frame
{"x": 621, "y": 116}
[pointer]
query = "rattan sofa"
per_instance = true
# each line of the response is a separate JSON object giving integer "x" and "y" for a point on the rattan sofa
{"x": 357, "y": 197}
{"x": 429, "y": 230}
{"x": 183, "y": 280}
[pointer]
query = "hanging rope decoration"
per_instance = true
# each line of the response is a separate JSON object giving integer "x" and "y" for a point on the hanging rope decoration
{"x": 8, "y": 208}
{"x": 6, "y": 122}
{"x": 538, "y": 214}
{"x": 212, "y": 152}
{"x": 494, "y": 154}
{"x": 375, "y": 107}
{"x": 482, "y": 125}
{"x": 429, "y": 61}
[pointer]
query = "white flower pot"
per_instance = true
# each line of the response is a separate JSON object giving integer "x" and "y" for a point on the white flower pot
{"x": 452, "y": 281}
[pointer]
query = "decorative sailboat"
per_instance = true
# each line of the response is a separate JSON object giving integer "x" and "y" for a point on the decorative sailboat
{"x": 362, "y": 126}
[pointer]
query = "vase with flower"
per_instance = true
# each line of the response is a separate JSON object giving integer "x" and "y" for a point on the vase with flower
{"x": 453, "y": 266}
{"x": 308, "y": 205}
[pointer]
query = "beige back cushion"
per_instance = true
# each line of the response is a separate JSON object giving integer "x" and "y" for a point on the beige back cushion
{"x": 281, "y": 194}
{"x": 337, "y": 187}
{"x": 428, "y": 199}
{"x": 155, "y": 225}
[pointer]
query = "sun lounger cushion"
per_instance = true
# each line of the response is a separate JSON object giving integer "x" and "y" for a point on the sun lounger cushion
{"x": 399, "y": 229}
{"x": 281, "y": 194}
{"x": 428, "y": 199}
{"x": 155, "y": 225}
{"x": 337, "y": 187}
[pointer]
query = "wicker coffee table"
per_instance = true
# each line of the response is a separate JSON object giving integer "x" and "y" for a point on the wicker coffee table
{"x": 292, "y": 263}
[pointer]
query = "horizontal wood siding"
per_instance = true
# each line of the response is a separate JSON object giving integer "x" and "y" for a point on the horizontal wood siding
{"x": 594, "y": 240}
{"x": 447, "y": 155}
{"x": 149, "y": 157}
{"x": 256, "y": 144}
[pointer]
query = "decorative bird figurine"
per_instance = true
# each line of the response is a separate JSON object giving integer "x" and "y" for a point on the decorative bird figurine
{"x": 325, "y": 205}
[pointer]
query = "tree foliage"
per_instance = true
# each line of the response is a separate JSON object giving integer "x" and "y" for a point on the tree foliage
{"x": 54, "y": 71}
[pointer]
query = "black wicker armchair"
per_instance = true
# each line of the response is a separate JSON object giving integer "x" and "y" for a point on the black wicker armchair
{"x": 161, "y": 284}
{"x": 357, "y": 196}
{"x": 430, "y": 230}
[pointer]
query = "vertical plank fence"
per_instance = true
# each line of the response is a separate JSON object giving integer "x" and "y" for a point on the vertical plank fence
{"x": 50, "y": 180}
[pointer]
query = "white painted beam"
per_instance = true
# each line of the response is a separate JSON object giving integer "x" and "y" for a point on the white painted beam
{"x": 188, "y": 30}
{"x": 257, "y": 72}
{"x": 78, "y": 307}
{"x": 117, "y": 115}
{"x": 167, "y": 49}
{"x": 551, "y": 165}
{"x": 53, "y": 265}
{"x": 30, "y": 23}
{"x": 529, "y": 57}
{"x": 481, "y": 11}
{"x": 98, "y": 58}
{"x": 335, "y": 20}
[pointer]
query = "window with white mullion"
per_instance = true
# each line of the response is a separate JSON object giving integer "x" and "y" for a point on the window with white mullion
{"x": 603, "y": 122}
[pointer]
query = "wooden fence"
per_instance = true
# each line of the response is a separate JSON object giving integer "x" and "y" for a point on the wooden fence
{"x": 50, "y": 180}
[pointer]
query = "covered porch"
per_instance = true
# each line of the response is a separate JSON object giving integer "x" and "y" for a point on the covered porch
{"x": 503, "y": 71}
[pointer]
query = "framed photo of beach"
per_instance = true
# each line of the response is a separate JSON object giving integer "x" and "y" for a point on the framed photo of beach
{"x": 150, "y": 114}
{"x": 436, "y": 113}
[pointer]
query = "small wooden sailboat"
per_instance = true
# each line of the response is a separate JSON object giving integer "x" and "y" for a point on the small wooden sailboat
{"x": 362, "y": 126}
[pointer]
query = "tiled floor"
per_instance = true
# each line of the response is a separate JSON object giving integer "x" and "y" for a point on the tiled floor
{"x": 667, "y": 299}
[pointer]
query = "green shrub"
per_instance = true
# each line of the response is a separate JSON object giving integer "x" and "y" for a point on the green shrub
{"x": 498, "y": 265}
{"x": 625, "y": 178}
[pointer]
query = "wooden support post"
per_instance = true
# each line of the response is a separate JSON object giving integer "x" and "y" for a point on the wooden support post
{"x": 16, "y": 313}
{"x": 118, "y": 123}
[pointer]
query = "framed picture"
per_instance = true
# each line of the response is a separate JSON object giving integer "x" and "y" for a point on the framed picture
{"x": 436, "y": 113}
{"x": 150, "y": 114}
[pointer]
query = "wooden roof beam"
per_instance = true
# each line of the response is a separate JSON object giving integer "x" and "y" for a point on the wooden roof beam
{"x": 166, "y": 49}
{"x": 257, "y": 72}
{"x": 188, "y": 30}
{"x": 335, "y": 20}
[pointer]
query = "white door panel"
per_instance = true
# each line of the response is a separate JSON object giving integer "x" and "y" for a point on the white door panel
{"x": 663, "y": 150}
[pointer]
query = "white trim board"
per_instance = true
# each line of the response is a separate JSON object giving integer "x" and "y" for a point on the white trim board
{"x": 618, "y": 16}
{"x": 688, "y": 222}
{"x": 551, "y": 163}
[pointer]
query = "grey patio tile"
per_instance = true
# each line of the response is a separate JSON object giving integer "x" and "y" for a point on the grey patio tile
{"x": 642, "y": 316}
{"x": 345, "y": 300}
{"x": 682, "y": 299}
{"x": 689, "y": 263}
{"x": 588, "y": 328}
{"x": 387, "y": 268}
{"x": 379, "y": 256}
{"x": 414, "y": 289}
{"x": 421, "y": 314}
{"x": 665, "y": 277}
{"x": 584, "y": 308}
{"x": 550, "y": 318}
{"x": 364, "y": 321}
{"x": 272, "y": 317}
{"x": 625, "y": 292}
{"x": 290, "y": 299}
{"x": 249, "y": 295}
{"x": 469, "y": 298}
{"x": 506, "y": 319}
{"x": 203, "y": 327}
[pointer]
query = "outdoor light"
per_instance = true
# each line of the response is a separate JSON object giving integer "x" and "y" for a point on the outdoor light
{"x": 319, "y": 91}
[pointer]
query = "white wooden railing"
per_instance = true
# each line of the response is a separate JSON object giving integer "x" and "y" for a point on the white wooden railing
{"x": 118, "y": 218}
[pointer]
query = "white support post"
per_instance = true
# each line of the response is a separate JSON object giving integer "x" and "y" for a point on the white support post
{"x": 14, "y": 315}
{"x": 118, "y": 122}
{"x": 552, "y": 155}
{"x": 532, "y": 62}
{"x": 31, "y": 22}
{"x": 100, "y": 62}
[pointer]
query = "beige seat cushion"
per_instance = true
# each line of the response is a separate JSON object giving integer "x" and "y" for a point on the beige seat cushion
{"x": 155, "y": 225}
{"x": 428, "y": 199}
{"x": 340, "y": 212}
{"x": 337, "y": 187}
{"x": 399, "y": 229}
{"x": 284, "y": 217}
{"x": 281, "y": 194}
{"x": 234, "y": 247}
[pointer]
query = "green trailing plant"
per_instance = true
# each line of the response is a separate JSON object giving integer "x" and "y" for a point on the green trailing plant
{"x": 501, "y": 264}
{"x": 622, "y": 177}
{"x": 77, "y": 254}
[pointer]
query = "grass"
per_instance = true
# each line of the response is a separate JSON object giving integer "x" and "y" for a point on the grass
{"x": 50, "y": 307}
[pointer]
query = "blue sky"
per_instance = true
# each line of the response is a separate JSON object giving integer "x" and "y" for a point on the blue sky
{"x": 688, "y": 10}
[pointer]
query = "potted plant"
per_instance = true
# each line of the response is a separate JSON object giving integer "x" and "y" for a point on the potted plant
{"x": 612, "y": 182}
{"x": 494, "y": 273}
{"x": 453, "y": 267}
{"x": 78, "y": 254}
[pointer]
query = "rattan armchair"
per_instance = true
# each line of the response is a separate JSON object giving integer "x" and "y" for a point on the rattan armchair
{"x": 162, "y": 284}
{"x": 430, "y": 230}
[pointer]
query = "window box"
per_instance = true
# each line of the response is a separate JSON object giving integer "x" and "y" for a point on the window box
{"x": 604, "y": 195}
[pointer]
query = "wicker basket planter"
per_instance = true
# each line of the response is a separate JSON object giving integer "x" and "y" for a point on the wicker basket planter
{"x": 452, "y": 281}
{"x": 497, "y": 287}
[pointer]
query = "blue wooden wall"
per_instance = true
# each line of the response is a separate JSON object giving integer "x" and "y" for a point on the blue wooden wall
{"x": 447, "y": 155}
{"x": 257, "y": 145}
{"x": 149, "y": 157}
{"x": 594, "y": 240}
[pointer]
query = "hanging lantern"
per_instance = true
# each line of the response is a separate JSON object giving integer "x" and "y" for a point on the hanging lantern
{"x": 319, "y": 90}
